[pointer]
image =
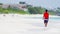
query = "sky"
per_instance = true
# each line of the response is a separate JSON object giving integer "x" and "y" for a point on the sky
{"x": 51, "y": 4}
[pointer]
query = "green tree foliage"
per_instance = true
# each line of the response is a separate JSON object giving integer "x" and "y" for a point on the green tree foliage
{"x": 1, "y": 3}
{"x": 12, "y": 10}
{"x": 52, "y": 12}
{"x": 39, "y": 10}
{"x": 22, "y": 3}
{"x": 32, "y": 10}
{"x": 58, "y": 9}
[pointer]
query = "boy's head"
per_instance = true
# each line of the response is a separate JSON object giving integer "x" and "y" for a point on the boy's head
{"x": 46, "y": 10}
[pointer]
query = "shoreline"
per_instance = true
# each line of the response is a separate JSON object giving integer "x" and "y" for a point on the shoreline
{"x": 31, "y": 15}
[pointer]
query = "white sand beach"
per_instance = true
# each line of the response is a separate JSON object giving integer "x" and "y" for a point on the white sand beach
{"x": 28, "y": 24}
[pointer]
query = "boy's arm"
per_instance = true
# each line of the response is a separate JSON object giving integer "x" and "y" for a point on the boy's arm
{"x": 48, "y": 16}
{"x": 43, "y": 16}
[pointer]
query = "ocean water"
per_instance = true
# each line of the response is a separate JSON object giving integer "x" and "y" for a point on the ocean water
{"x": 54, "y": 18}
{"x": 50, "y": 18}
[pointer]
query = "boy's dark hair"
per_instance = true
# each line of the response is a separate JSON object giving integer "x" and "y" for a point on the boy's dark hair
{"x": 46, "y": 10}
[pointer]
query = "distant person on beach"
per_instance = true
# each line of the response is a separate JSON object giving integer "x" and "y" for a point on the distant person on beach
{"x": 46, "y": 17}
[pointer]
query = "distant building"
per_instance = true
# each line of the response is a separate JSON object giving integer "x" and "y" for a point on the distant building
{"x": 21, "y": 6}
{"x": 5, "y": 6}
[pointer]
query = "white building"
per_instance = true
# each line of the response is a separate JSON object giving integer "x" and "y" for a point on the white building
{"x": 19, "y": 6}
{"x": 5, "y": 6}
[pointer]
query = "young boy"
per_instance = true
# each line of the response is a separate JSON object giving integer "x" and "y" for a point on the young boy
{"x": 46, "y": 17}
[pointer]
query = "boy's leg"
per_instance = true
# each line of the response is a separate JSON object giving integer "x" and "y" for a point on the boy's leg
{"x": 45, "y": 24}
